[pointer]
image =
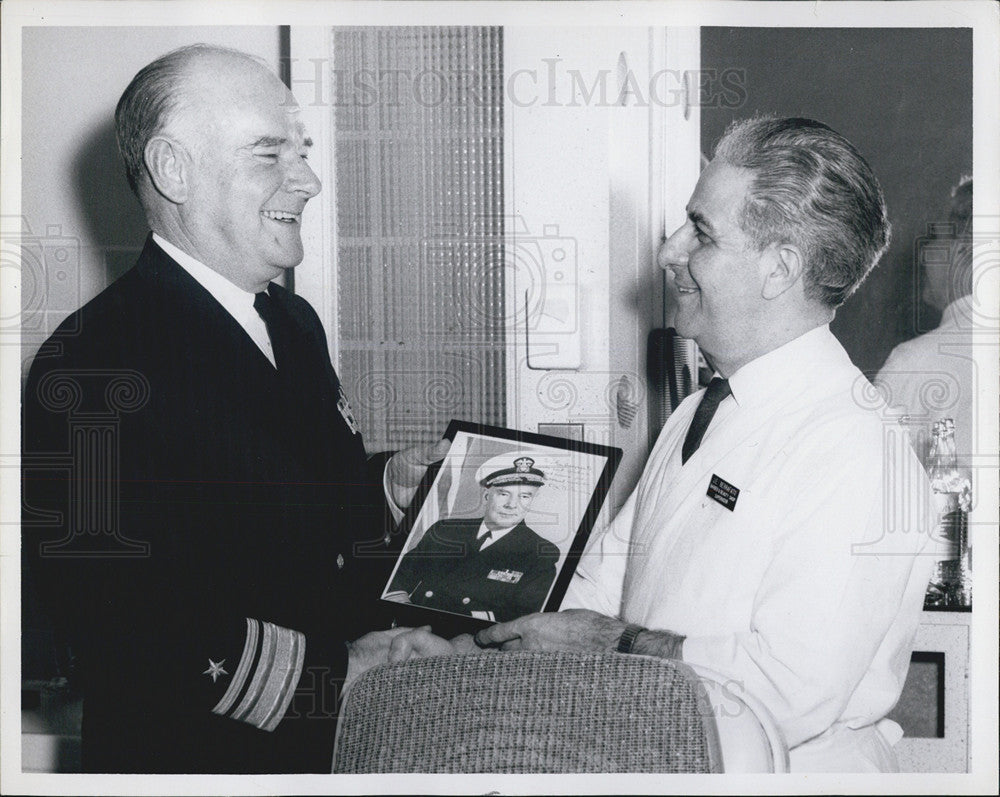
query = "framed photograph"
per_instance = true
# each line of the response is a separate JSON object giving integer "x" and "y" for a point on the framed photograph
{"x": 496, "y": 530}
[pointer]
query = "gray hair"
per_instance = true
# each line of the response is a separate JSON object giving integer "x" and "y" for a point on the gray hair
{"x": 152, "y": 99}
{"x": 812, "y": 188}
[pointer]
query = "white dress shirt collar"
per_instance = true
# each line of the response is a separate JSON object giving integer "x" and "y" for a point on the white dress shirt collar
{"x": 230, "y": 296}
{"x": 497, "y": 533}
{"x": 770, "y": 374}
{"x": 234, "y": 300}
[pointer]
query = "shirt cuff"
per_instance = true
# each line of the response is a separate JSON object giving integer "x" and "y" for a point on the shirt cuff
{"x": 266, "y": 677}
{"x": 397, "y": 513}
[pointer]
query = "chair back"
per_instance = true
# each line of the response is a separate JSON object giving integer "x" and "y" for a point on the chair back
{"x": 749, "y": 735}
{"x": 528, "y": 712}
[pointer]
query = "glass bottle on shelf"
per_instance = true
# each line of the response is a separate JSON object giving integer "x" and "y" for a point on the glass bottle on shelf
{"x": 951, "y": 585}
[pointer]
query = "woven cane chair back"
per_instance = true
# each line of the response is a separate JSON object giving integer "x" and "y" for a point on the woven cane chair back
{"x": 528, "y": 712}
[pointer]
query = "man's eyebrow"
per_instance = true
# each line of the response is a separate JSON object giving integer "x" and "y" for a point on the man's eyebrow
{"x": 699, "y": 218}
{"x": 269, "y": 141}
{"x": 277, "y": 141}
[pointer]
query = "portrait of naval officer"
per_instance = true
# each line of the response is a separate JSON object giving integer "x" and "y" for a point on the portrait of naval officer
{"x": 493, "y": 567}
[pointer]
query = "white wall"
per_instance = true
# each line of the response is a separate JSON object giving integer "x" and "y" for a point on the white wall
{"x": 582, "y": 175}
{"x": 74, "y": 196}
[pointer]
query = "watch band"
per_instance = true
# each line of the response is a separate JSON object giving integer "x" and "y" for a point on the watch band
{"x": 627, "y": 639}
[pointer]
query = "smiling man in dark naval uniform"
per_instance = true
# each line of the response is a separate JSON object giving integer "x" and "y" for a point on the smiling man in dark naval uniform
{"x": 211, "y": 564}
{"x": 493, "y": 567}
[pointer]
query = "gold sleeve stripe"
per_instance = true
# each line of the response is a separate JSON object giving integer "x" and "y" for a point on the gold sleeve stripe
{"x": 277, "y": 673}
{"x": 280, "y": 686}
{"x": 246, "y": 662}
{"x": 259, "y": 675}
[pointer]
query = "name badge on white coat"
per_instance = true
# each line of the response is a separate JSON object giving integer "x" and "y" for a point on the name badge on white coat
{"x": 723, "y": 492}
{"x": 507, "y": 576}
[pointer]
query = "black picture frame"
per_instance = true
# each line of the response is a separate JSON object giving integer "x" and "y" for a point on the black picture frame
{"x": 578, "y": 477}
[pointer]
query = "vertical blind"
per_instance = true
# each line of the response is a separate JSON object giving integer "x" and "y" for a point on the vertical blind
{"x": 418, "y": 119}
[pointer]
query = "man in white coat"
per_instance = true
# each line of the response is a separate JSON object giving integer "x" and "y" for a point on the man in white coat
{"x": 765, "y": 539}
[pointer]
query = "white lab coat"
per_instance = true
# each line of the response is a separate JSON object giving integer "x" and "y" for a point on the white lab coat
{"x": 808, "y": 592}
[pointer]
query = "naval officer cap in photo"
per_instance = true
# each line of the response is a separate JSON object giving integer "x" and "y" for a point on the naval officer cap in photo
{"x": 509, "y": 487}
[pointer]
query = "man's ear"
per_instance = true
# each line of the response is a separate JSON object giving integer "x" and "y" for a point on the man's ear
{"x": 170, "y": 168}
{"x": 783, "y": 264}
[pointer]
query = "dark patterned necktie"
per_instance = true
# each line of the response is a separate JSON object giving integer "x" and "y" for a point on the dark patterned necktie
{"x": 717, "y": 390}
{"x": 277, "y": 328}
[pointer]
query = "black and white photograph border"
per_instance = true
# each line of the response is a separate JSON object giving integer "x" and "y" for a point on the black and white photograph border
{"x": 572, "y": 355}
{"x": 550, "y": 492}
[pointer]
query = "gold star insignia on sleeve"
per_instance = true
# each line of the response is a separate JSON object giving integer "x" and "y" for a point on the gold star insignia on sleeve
{"x": 215, "y": 670}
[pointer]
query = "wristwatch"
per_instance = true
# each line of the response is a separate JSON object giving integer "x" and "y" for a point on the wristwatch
{"x": 627, "y": 639}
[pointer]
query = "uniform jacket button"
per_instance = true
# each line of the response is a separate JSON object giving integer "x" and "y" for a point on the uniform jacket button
{"x": 466, "y": 600}
{"x": 429, "y": 593}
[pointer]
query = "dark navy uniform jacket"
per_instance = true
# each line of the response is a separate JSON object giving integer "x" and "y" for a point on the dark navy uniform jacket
{"x": 447, "y": 571}
{"x": 222, "y": 544}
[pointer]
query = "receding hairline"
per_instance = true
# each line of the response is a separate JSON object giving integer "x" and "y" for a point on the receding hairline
{"x": 204, "y": 72}
{"x": 186, "y": 56}
{"x": 224, "y": 65}
{"x": 161, "y": 96}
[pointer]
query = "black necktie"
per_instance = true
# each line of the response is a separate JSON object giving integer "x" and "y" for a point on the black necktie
{"x": 277, "y": 329}
{"x": 485, "y": 539}
{"x": 718, "y": 389}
